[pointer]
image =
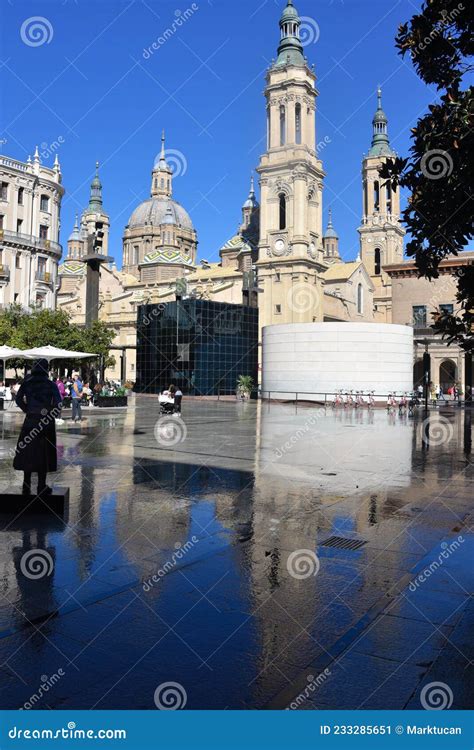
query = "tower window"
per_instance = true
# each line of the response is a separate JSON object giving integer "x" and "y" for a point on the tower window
{"x": 20, "y": 196}
{"x": 360, "y": 299}
{"x": 298, "y": 123}
{"x": 376, "y": 196}
{"x": 366, "y": 208}
{"x": 44, "y": 203}
{"x": 162, "y": 182}
{"x": 277, "y": 309}
{"x": 389, "y": 198}
{"x": 282, "y": 200}
{"x": 377, "y": 261}
{"x": 4, "y": 191}
{"x": 282, "y": 126}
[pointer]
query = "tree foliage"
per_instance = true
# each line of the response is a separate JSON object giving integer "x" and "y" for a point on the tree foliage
{"x": 27, "y": 330}
{"x": 439, "y": 170}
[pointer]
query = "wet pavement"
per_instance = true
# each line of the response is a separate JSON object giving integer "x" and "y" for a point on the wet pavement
{"x": 255, "y": 555}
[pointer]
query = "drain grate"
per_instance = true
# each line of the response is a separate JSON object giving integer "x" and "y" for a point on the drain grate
{"x": 343, "y": 543}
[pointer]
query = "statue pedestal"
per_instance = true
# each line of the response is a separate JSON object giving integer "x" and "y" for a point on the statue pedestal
{"x": 15, "y": 502}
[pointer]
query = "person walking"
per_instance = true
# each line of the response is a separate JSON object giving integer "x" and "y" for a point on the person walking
{"x": 76, "y": 396}
{"x": 38, "y": 397}
{"x": 62, "y": 393}
{"x": 178, "y": 397}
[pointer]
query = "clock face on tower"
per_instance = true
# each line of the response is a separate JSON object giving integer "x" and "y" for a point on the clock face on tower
{"x": 279, "y": 247}
{"x": 312, "y": 250}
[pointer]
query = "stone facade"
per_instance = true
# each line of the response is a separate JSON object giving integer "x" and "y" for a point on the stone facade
{"x": 30, "y": 206}
{"x": 415, "y": 300}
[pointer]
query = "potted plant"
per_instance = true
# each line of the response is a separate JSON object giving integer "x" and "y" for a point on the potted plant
{"x": 244, "y": 387}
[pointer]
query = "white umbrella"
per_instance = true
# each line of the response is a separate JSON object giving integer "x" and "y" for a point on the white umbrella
{"x": 10, "y": 352}
{"x": 53, "y": 352}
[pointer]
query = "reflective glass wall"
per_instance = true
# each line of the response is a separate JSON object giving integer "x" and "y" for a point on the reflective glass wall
{"x": 199, "y": 345}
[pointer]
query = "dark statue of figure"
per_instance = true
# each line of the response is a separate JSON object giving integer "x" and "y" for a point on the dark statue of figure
{"x": 35, "y": 452}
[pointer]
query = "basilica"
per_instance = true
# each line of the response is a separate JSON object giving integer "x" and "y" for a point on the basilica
{"x": 281, "y": 257}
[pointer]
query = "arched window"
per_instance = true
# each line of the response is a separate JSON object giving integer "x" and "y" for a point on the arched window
{"x": 360, "y": 299}
{"x": 366, "y": 207}
{"x": 298, "y": 123}
{"x": 376, "y": 195}
{"x": 282, "y": 125}
{"x": 282, "y": 200}
{"x": 377, "y": 261}
{"x": 162, "y": 182}
{"x": 156, "y": 183}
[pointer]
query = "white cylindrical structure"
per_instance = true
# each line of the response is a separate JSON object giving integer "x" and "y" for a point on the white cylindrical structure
{"x": 323, "y": 358}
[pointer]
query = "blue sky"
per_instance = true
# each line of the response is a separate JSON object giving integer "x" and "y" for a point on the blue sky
{"x": 94, "y": 91}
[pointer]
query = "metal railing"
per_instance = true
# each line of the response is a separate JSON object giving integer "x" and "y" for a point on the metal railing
{"x": 28, "y": 239}
{"x": 43, "y": 276}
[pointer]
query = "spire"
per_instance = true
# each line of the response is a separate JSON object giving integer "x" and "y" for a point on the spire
{"x": 95, "y": 199}
{"x": 36, "y": 157}
{"x": 251, "y": 201}
{"x": 380, "y": 143}
{"x": 162, "y": 174}
{"x": 330, "y": 232}
{"x": 75, "y": 234}
{"x": 290, "y": 49}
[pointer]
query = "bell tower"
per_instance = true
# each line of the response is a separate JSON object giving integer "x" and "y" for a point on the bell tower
{"x": 95, "y": 213}
{"x": 381, "y": 234}
{"x": 291, "y": 180}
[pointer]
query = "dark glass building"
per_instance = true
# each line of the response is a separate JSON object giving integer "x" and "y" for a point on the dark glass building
{"x": 199, "y": 345}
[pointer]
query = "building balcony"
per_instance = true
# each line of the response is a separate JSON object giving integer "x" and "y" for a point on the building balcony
{"x": 28, "y": 240}
{"x": 4, "y": 272}
{"x": 44, "y": 277}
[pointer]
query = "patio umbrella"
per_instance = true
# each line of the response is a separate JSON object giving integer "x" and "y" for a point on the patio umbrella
{"x": 53, "y": 352}
{"x": 10, "y": 352}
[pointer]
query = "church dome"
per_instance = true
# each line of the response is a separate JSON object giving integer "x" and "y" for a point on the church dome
{"x": 160, "y": 210}
{"x": 290, "y": 13}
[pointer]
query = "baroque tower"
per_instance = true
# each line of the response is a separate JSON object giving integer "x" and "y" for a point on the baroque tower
{"x": 331, "y": 242}
{"x": 291, "y": 179}
{"x": 381, "y": 235}
{"x": 95, "y": 213}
